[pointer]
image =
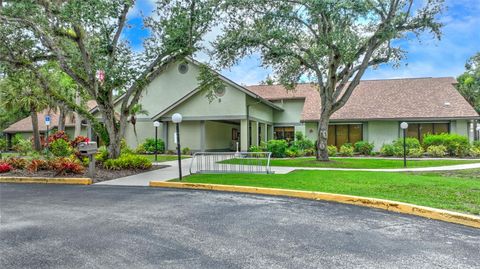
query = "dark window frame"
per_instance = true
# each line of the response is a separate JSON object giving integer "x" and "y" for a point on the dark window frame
{"x": 348, "y": 132}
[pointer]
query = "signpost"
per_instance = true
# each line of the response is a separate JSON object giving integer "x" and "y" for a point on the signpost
{"x": 47, "y": 123}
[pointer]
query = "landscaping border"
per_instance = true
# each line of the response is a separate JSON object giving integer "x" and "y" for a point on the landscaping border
{"x": 394, "y": 206}
{"x": 47, "y": 180}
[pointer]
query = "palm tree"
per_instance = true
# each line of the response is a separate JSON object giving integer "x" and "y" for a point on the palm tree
{"x": 20, "y": 90}
{"x": 136, "y": 110}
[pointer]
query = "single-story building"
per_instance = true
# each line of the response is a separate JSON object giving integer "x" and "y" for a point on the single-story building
{"x": 23, "y": 127}
{"x": 248, "y": 115}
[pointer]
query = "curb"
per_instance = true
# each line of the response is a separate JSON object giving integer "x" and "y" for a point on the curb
{"x": 46, "y": 180}
{"x": 394, "y": 206}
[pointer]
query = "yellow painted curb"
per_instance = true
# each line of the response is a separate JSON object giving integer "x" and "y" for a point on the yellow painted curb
{"x": 46, "y": 180}
{"x": 399, "y": 207}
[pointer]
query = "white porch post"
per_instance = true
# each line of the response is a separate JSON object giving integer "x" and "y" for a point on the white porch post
{"x": 202, "y": 136}
{"x": 243, "y": 135}
{"x": 254, "y": 133}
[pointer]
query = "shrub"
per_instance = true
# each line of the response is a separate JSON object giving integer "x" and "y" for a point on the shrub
{"x": 412, "y": 144}
{"x": 170, "y": 152}
{"x": 65, "y": 166}
{"x": 3, "y": 144}
{"x": 332, "y": 151}
{"x": 475, "y": 152}
{"x": 5, "y": 167}
{"x": 255, "y": 149}
{"x": 303, "y": 143}
{"x": 309, "y": 152}
{"x": 415, "y": 152}
{"x": 456, "y": 144}
{"x": 186, "y": 151}
{"x": 149, "y": 145}
{"x": 17, "y": 163}
{"x": 387, "y": 150}
{"x": 102, "y": 154}
{"x": 140, "y": 149}
{"x": 124, "y": 148}
{"x": 58, "y": 135}
{"x": 346, "y": 150}
{"x": 60, "y": 148}
{"x": 128, "y": 161}
{"x": 277, "y": 148}
{"x": 437, "y": 151}
{"x": 23, "y": 146}
{"x": 36, "y": 165}
{"x": 79, "y": 139}
{"x": 363, "y": 147}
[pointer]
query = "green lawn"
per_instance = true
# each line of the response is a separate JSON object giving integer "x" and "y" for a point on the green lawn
{"x": 457, "y": 192}
{"x": 164, "y": 158}
{"x": 356, "y": 162}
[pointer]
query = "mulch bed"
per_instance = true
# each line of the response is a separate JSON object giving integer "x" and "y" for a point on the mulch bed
{"x": 101, "y": 174}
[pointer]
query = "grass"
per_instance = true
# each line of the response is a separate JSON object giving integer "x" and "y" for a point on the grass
{"x": 452, "y": 191}
{"x": 359, "y": 163}
{"x": 164, "y": 158}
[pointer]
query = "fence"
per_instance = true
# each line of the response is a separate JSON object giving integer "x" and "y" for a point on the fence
{"x": 230, "y": 162}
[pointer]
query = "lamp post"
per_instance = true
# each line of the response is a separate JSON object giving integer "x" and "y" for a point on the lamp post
{"x": 177, "y": 118}
{"x": 156, "y": 124}
{"x": 404, "y": 127}
{"x": 478, "y": 133}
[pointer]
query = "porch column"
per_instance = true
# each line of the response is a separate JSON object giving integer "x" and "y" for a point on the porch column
{"x": 243, "y": 135}
{"x": 270, "y": 132}
{"x": 254, "y": 133}
{"x": 202, "y": 136}
{"x": 165, "y": 133}
{"x": 265, "y": 132}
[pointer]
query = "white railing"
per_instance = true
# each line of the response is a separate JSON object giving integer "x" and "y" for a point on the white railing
{"x": 230, "y": 162}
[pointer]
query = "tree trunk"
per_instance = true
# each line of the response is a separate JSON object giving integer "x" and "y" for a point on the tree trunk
{"x": 78, "y": 118}
{"x": 322, "y": 139}
{"x": 36, "y": 133}
{"x": 61, "y": 119}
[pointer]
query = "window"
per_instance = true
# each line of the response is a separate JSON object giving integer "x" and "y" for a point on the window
{"x": 344, "y": 133}
{"x": 287, "y": 133}
{"x": 419, "y": 130}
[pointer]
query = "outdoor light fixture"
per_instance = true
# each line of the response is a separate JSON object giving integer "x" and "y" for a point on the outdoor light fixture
{"x": 177, "y": 118}
{"x": 156, "y": 124}
{"x": 404, "y": 127}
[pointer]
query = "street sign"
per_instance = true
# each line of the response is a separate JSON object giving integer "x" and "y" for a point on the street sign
{"x": 47, "y": 120}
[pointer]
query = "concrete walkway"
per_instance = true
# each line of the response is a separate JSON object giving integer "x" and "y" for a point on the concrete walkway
{"x": 171, "y": 172}
{"x": 144, "y": 179}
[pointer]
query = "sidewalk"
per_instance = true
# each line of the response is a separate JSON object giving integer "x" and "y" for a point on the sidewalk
{"x": 144, "y": 179}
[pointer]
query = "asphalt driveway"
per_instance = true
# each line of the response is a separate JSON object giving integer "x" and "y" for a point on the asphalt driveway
{"x": 47, "y": 226}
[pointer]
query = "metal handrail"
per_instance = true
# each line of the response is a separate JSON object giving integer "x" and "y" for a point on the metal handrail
{"x": 230, "y": 162}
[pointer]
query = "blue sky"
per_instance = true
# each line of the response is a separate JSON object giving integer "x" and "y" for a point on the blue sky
{"x": 428, "y": 58}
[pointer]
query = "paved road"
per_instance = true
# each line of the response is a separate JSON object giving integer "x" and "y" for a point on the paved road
{"x": 46, "y": 226}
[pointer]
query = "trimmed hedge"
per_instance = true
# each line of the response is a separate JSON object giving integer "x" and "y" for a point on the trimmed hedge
{"x": 456, "y": 144}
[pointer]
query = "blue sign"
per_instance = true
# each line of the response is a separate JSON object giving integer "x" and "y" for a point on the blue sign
{"x": 47, "y": 120}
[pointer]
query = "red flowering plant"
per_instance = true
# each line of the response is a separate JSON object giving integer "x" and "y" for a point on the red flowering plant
{"x": 17, "y": 163}
{"x": 5, "y": 167}
{"x": 79, "y": 139}
{"x": 65, "y": 166}
{"x": 58, "y": 135}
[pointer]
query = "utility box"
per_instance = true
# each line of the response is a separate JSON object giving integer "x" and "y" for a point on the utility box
{"x": 87, "y": 149}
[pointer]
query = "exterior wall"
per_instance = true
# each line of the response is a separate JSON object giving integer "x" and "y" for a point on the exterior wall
{"x": 258, "y": 111}
{"x": 311, "y": 131}
{"x": 292, "y": 111}
{"x": 168, "y": 87}
{"x": 189, "y": 135}
{"x": 145, "y": 130}
{"x": 218, "y": 135}
{"x": 459, "y": 127}
{"x": 230, "y": 106}
{"x": 382, "y": 132}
